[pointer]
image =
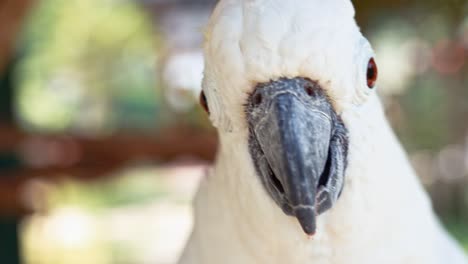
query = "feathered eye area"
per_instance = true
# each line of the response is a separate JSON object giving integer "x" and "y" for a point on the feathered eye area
{"x": 372, "y": 73}
{"x": 203, "y": 102}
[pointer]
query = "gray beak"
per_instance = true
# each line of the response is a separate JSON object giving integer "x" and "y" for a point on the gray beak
{"x": 294, "y": 124}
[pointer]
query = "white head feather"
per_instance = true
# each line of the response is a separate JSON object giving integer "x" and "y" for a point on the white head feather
{"x": 258, "y": 41}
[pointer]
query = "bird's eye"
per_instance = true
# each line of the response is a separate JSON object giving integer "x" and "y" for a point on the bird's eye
{"x": 372, "y": 73}
{"x": 203, "y": 102}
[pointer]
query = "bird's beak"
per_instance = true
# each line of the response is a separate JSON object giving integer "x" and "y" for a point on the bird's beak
{"x": 294, "y": 127}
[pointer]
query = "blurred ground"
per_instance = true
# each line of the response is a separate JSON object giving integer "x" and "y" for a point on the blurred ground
{"x": 141, "y": 216}
{"x": 102, "y": 142}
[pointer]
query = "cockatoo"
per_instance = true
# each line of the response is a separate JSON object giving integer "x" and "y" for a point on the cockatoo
{"x": 308, "y": 170}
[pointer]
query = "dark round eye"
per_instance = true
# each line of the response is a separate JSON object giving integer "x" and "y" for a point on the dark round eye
{"x": 372, "y": 73}
{"x": 203, "y": 102}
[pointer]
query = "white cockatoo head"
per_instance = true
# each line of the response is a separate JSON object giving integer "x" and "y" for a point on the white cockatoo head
{"x": 285, "y": 77}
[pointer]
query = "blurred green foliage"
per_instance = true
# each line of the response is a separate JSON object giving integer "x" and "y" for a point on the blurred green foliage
{"x": 419, "y": 131}
{"x": 87, "y": 65}
{"x": 129, "y": 188}
{"x": 459, "y": 229}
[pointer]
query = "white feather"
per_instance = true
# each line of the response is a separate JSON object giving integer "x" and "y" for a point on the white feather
{"x": 383, "y": 215}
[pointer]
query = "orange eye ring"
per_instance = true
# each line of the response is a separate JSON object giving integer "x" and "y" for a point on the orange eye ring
{"x": 372, "y": 73}
{"x": 204, "y": 102}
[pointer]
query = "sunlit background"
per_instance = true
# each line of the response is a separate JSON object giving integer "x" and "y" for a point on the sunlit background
{"x": 102, "y": 142}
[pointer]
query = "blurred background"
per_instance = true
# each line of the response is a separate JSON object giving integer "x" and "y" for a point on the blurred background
{"x": 102, "y": 142}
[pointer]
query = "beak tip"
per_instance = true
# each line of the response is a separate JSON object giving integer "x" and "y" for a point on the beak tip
{"x": 306, "y": 218}
{"x": 310, "y": 232}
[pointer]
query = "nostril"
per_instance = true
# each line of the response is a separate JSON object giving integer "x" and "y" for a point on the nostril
{"x": 258, "y": 98}
{"x": 309, "y": 90}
